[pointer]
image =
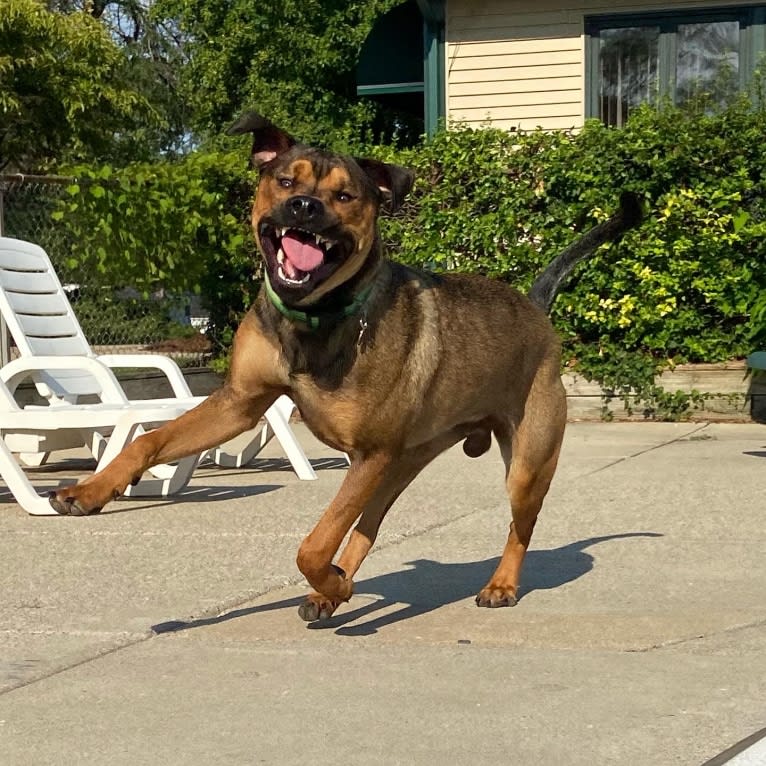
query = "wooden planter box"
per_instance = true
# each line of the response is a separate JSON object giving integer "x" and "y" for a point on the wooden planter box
{"x": 732, "y": 394}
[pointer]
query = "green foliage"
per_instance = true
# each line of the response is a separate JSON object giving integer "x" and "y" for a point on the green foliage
{"x": 293, "y": 60}
{"x": 684, "y": 286}
{"x": 180, "y": 225}
{"x": 64, "y": 89}
{"x": 480, "y": 204}
{"x": 125, "y": 80}
{"x": 688, "y": 285}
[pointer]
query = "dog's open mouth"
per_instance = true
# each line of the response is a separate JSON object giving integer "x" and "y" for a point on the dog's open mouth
{"x": 295, "y": 255}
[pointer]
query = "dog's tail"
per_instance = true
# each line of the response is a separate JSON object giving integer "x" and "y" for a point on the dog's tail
{"x": 545, "y": 287}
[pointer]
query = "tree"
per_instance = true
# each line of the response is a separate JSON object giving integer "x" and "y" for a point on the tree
{"x": 293, "y": 60}
{"x": 153, "y": 52}
{"x": 67, "y": 91}
{"x": 127, "y": 20}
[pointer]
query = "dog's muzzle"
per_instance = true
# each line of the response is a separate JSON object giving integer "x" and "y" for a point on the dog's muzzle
{"x": 294, "y": 253}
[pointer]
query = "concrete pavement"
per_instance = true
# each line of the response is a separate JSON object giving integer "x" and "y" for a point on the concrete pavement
{"x": 166, "y": 632}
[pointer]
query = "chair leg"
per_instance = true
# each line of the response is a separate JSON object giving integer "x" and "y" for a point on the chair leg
{"x": 33, "y": 459}
{"x": 225, "y": 459}
{"x": 162, "y": 487}
{"x": 19, "y": 485}
{"x": 98, "y": 444}
{"x": 277, "y": 417}
{"x": 277, "y": 424}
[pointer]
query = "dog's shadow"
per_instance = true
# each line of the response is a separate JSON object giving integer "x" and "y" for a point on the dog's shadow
{"x": 428, "y": 585}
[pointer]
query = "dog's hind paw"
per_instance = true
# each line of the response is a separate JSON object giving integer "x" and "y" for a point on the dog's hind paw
{"x": 495, "y": 597}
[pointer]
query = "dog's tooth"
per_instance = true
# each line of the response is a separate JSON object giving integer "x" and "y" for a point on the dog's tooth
{"x": 289, "y": 281}
{"x": 280, "y": 255}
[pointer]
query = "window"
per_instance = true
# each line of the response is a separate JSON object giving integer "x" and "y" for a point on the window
{"x": 401, "y": 66}
{"x": 635, "y": 59}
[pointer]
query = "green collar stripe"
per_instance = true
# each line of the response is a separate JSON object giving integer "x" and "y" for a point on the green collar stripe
{"x": 314, "y": 321}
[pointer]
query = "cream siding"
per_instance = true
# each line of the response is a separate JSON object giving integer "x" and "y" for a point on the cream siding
{"x": 522, "y": 64}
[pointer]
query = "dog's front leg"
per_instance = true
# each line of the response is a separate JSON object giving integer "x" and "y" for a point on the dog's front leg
{"x": 364, "y": 482}
{"x": 225, "y": 414}
{"x": 387, "y": 477}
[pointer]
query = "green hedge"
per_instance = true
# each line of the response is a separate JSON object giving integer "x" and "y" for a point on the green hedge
{"x": 181, "y": 226}
{"x": 688, "y": 285}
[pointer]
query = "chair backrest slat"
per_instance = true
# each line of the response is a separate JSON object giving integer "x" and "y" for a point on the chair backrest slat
{"x": 56, "y": 347}
{"x": 41, "y": 304}
{"x": 38, "y": 313}
{"x": 23, "y": 259}
{"x": 43, "y": 326}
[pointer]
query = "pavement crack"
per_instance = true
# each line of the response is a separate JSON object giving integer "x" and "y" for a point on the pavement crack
{"x": 645, "y": 451}
{"x": 405, "y": 536}
{"x": 64, "y": 667}
{"x": 675, "y": 642}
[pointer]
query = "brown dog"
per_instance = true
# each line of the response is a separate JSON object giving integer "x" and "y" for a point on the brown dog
{"x": 386, "y": 363}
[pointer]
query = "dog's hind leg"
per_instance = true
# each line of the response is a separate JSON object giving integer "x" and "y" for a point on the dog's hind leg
{"x": 530, "y": 453}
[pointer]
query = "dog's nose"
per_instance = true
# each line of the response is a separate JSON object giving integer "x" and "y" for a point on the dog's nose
{"x": 305, "y": 208}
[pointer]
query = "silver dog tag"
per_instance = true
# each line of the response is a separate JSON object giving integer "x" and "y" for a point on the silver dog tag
{"x": 362, "y": 329}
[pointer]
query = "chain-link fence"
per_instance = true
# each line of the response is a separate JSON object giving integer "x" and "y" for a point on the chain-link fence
{"x": 114, "y": 318}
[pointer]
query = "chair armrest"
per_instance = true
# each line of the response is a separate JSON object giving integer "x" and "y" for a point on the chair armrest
{"x": 25, "y": 366}
{"x": 153, "y": 361}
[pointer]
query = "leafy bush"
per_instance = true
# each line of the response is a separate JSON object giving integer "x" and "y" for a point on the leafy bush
{"x": 688, "y": 285}
{"x": 178, "y": 225}
{"x": 110, "y": 319}
{"x": 68, "y": 90}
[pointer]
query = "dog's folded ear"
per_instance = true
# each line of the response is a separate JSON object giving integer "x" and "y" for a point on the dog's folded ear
{"x": 393, "y": 180}
{"x": 269, "y": 141}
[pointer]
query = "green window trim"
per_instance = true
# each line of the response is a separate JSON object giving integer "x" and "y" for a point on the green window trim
{"x": 420, "y": 67}
{"x": 433, "y": 73}
{"x": 391, "y": 87}
{"x": 752, "y": 43}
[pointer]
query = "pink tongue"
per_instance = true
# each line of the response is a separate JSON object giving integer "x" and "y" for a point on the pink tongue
{"x": 305, "y": 256}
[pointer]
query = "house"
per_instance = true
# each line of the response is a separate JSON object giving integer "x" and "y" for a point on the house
{"x": 555, "y": 63}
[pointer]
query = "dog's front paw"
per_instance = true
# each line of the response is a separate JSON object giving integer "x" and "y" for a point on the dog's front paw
{"x": 317, "y": 607}
{"x": 494, "y": 597}
{"x": 77, "y": 500}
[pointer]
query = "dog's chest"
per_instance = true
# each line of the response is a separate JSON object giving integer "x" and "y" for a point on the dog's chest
{"x": 332, "y": 416}
{"x": 355, "y": 414}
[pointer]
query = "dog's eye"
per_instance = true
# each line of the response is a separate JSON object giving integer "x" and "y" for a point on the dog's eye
{"x": 286, "y": 183}
{"x": 344, "y": 196}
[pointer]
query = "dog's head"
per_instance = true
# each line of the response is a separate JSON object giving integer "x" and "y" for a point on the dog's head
{"x": 315, "y": 212}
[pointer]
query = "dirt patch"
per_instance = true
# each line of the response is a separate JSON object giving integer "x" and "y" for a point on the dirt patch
{"x": 195, "y": 344}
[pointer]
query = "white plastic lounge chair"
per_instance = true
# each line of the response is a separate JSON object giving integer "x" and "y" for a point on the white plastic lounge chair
{"x": 41, "y": 320}
{"x": 75, "y": 424}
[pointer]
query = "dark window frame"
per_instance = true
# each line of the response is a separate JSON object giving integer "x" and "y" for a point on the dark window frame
{"x": 752, "y": 42}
